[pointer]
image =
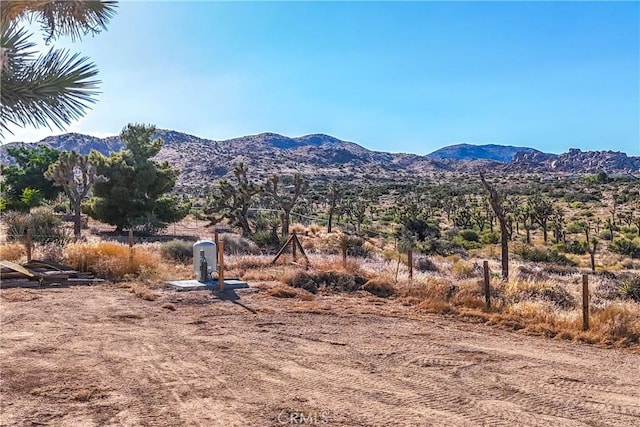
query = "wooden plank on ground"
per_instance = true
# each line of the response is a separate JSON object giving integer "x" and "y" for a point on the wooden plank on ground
{"x": 34, "y": 263}
{"x": 17, "y": 267}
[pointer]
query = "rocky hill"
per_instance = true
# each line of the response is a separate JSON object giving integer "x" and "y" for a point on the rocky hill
{"x": 323, "y": 157}
{"x": 498, "y": 153}
{"x": 575, "y": 161}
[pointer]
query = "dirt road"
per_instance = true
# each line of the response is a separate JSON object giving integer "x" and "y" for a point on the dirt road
{"x": 100, "y": 356}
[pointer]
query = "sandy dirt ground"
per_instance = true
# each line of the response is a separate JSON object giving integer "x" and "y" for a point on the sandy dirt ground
{"x": 100, "y": 356}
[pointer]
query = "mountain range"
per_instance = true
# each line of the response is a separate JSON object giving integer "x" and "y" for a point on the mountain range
{"x": 323, "y": 157}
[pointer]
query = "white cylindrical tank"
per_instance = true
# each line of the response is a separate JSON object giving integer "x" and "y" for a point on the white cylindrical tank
{"x": 210, "y": 254}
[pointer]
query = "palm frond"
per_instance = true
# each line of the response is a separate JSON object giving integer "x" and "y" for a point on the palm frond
{"x": 15, "y": 47}
{"x": 72, "y": 18}
{"x": 55, "y": 89}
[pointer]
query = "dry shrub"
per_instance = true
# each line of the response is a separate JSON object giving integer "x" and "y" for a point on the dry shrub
{"x": 335, "y": 264}
{"x": 340, "y": 281}
{"x": 463, "y": 270}
{"x": 263, "y": 271}
{"x": 617, "y": 323}
{"x": 526, "y": 290}
{"x": 538, "y": 311}
{"x": 248, "y": 262}
{"x": 113, "y": 261}
{"x": 630, "y": 264}
{"x": 437, "y": 307}
{"x": 297, "y": 228}
{"x": 453, "y": 258}
{"x": 12, "y": 251}
{"x": 559, "y": 269}
{"x": 177, "y": 250}
{"x": 379, "y": 287}
{"x": 435, "y": 288}
{"x": 334, "y": 280}
{"x": 304, "y": 281}
{"x": 314, "y": 230}
{"x": 51, "y": 252}
{"x": 238, "y": 245}
{"x": 423, "y": 263}
{"x": 470, "y": 293}
{"x": 282, "y": 292}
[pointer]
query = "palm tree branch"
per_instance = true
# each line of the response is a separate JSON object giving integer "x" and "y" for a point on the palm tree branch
{"x": 72, "y": 18}
{"x": 55, "y": 88}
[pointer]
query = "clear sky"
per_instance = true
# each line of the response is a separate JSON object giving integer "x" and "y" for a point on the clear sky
{"x": 400, "y": 77}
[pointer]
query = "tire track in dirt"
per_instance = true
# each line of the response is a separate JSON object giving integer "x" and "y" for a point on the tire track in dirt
{"x": 208, "y": 364}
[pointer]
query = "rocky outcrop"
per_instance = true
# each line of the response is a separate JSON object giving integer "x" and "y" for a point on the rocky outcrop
{"x": 575, "y": 161}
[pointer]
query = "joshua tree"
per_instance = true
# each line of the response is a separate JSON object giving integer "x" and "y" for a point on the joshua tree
{"x": 75, "y": 174}
{"x": 233, "y": 201}
{"x": 542, "y": 210}
{"x": 286, "y": 200}
{"x": 335, "y": 194}
{"x": 592, "y": 245}
{"x": 497, "y": 204}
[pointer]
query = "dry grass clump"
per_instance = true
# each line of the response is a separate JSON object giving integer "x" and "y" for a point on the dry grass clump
{"x": 283, "y": 291}
{"x": 312, "y": 230}
{"x": 463, "y": 270}
{"x": 470, "y": 294}
{"x": 537, "y": 311}
{"x": 423, "y": 263}
{"x": 12, "y": 251}
{"x": 113, "y": 261}
{"x": 617, "y": 323}
{"x": 332, "y": 280}
{"x": 518, "y": 290}
{"x": 434, "y": 295}
{"x": 379, "y": 287}
{"x": 238, "y": 245}
{"x": 335, "y": 263}
{"x": 434, "y": 288}
{"x": 243, "y": 263}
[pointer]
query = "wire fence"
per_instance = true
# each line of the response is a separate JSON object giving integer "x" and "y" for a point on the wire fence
{"x": 193, "y": 229}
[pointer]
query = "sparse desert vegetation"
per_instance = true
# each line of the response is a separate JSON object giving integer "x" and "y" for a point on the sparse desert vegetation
{"x": 540, "y": 297}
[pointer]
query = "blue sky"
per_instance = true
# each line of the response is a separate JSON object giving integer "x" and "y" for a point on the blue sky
{"x": 399, "y": 77}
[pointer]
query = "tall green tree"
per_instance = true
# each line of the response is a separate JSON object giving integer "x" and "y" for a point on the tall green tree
{"x": 76, "y": 175}
{"x": 135, "y": 192}
{"x": 31, "y": 163}
{"x": 232, "y": 201}
{"x": 55, "y": 87}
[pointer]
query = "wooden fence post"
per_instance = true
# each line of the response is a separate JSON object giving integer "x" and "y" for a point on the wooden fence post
{"x": 410, "y": 262}
{"x": 487, "y": 285}
{"x": 585, "y": 302}
{"x": 294, "y": 249}
{"x": 131, "y": 242}
{"x": 28, "y": 244}
{"x": 344, "y": 253}
{"x": 215, "y": 238}
{"x": 221, "y": 267}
